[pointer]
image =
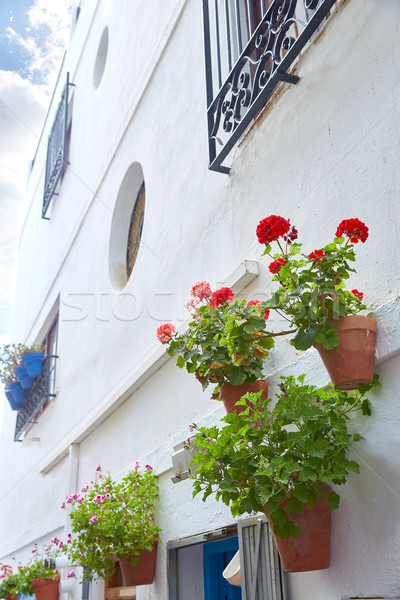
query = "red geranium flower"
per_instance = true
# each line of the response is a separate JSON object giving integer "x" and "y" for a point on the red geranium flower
{"x": 357, "y": 294}
{"x": 355, "y": 229}
{"x": 272, "y": 228}
{"x": 252, "y": 303}
{"x": 257, "y": 303}
{"x": 201, "y": 290}
{"x": 317, "y": 255}
{"x": 221, "y": 296}
{"x": 165, "y": 332}
{"x": 277, "y": 265}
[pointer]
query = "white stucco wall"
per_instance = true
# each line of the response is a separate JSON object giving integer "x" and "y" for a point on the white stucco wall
{"x": 326, "y": 149}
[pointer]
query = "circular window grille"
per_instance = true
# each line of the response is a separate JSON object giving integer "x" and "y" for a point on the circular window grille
{"x": 135, "y": 230}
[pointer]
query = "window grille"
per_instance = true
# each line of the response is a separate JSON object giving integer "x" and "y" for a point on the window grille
{"x": 249, "y": 47}
{"x": 135, "y": 230}
{"x": 37, "y": 398}
{"x": 56, "y": 159}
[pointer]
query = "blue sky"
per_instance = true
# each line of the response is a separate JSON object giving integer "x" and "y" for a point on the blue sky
{"x": 13, "y": 13}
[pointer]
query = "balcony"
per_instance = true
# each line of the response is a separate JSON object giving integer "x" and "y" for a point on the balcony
{"x": 249, "y": 47}
{"x": 38, "y": 397}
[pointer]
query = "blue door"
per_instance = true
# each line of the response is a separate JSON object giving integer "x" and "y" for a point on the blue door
{"x": 216, "y": 556}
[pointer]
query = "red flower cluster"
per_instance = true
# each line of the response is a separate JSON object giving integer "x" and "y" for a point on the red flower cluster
{"x": 277, "y": 265}
{"x": 317, "y": 255}
{"x": 272, "y": 228}
{"x": 165, "y": 332}
{"x": 257, "y": 303}
{"x": 221, "y": 296}
{"x": 355, "y": 229}
{"x": 201, "y": 290}
{"x": 357, "y": 294}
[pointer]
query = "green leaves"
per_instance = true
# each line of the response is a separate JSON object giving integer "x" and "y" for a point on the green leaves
{"x": 328, "y": 337}
{"x": 299, "y": 443}
{"x": 304, "y": 339}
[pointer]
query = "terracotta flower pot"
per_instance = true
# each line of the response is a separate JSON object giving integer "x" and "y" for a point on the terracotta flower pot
{"x": 230, "y": 394}
{"x": 352, "y": 362}
{"x": 46, "y": 589}
{"x": 310, "y": 550}
{"x": 143, "y": 572}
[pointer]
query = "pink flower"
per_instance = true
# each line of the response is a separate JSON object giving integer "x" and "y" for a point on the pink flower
{"x": 193, "y": 306}
{"x": 149, "y": 467}
{"x": 165, "y": 332}
{"x": 71, "y": 574}
{"x": 191, "y": 428}
{"x": 60, "y": 544}
{"x": 62, "y": 505}
{"x": 98, "y": 468}
{"x": 201, "y": 290}
{"x": 93, "y": 519}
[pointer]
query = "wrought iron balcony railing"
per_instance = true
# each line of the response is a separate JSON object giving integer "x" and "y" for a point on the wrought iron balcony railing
{"x": 37, "y": 398}
{"x": 249, "y": 47}
{"x": 56, "y": 150}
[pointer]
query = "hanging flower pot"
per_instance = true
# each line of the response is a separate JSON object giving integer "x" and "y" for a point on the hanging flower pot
{"x": 230, "y": 394}
{"x": 310, "y": 550}
{"x": 33, "y": 361}
{"x": 143, "y": 572}
{"x": 25, "y": 380}
{"x": 352, "y": 361}
{"x": 46, "y": 589}
{"x": 18, "y": 394}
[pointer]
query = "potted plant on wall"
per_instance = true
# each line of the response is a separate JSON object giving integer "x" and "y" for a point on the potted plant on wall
{"x": 285, "y": 466}
{"x": 312, "y": 295}
{"x": 225, "y": 343}
{"x": 10, "y": 359}
{"x": 8, "y": 582}
{"x": 35, "y": 577}
{"x": 114, "y": 521}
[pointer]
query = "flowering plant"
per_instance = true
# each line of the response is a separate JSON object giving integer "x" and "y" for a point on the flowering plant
{"x": 111, "y": 520}
{"x": 18, "y": 580}
{"x": 11, "y": 357}
{"x": 312, "y": 287}
{"x": 295, "y": 446}
{"x": 225, "y": 342}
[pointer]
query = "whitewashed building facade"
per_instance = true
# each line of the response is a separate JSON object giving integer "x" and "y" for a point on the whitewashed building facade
{"x": 325, "y": 148}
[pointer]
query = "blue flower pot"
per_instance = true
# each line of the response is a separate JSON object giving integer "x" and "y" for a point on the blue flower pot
{"x": 25, "y": 380}
{"x": 33, "y": 363}
{"x": 18, "y": 395}
{"x": 10, "y": 398}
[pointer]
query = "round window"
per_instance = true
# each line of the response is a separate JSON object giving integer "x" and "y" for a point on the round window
{"x": 101, "y": 58}
{"x": 127, "y": 226}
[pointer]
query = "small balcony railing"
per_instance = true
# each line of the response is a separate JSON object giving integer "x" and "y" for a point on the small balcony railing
{"x": 38, "y": 397}
{"x": 249, "y": 47}
{"x": 56, "y": 150}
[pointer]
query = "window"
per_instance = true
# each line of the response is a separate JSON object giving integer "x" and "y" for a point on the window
{"x": 127, "y": 227}
{"x": 50, "y": 355}
{"x": 57, "y": 149}
{"x": 249, "y": 47}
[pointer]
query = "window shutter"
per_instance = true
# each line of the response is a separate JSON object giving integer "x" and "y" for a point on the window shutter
{"x": 261, "y": 571}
